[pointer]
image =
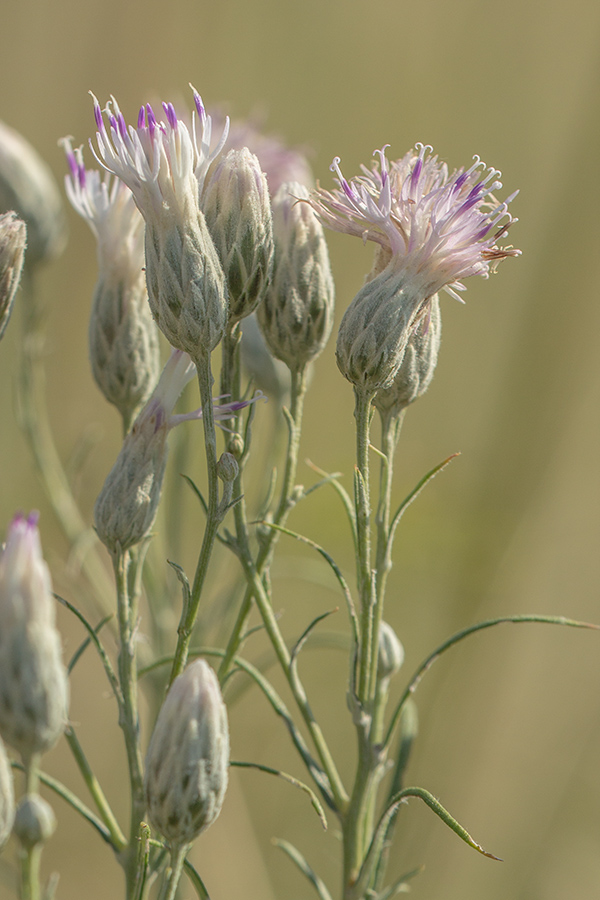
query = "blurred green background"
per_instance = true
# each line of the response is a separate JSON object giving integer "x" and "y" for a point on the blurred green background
{"x": 509, "y": 736}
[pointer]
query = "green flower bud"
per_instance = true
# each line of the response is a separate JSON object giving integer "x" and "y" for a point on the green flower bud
{"x": 238, "y": 214}
{"x": 376, "y": 328}
{"x": 34, "y": 688}
{"x": 391, "y": 652}
{"x": 13, "y": 237}
{"x": 27, "y": 186}
{"x": 35, "y": 822}
{"x": 186, "y": 285}
{"x": 188, "y": 757}
{"x": 296, "y": 316}
{"x": 227, "y": 468}
{"x": 7, "y": 797}
{"x": 123, "y": 342}
{"x": 418, "y": 365}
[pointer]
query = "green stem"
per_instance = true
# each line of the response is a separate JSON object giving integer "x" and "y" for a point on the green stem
{"x": 106, "y": 814}
{"x": 128, "y": 713}
{"x": 365, "y": 577}
{"x": 214, "y": 517}
{"x": 174, "y": 872}
{"x": 268, "y": 540}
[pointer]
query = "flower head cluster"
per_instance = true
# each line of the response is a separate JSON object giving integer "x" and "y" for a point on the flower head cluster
{"x": 163, "y": 162}
{"x": 438, "y": 228}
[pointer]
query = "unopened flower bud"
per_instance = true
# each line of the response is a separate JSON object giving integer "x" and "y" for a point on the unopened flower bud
{"x": 238, "y": 214}
{"x": 391, "y": 652}
{"x": 188, "y": 757}
{"x": 297, "y": 314}
{"x": 186, "y": 285}
{"x": 27, "y": 186}
{"x": 227, "y": 468}
{"x": 375, "y": 330}
{"x": 235, "y": 446}
{"x": 33, "y": 680}
{"x": 13, "y": 237}
{"x": 7, "y": 797}
{"x": 418, "y": 365}
{"x": 35, "y": 822}
{"x": 123, "y": 342}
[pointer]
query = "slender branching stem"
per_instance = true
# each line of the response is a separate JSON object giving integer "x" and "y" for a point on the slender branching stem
{"x": 214, "y": 517}
{"x": 128, "y": 713}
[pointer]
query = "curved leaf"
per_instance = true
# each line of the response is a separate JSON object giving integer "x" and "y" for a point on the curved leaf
{"x": 291, "y": 780}
{"x": 295, "y": 855}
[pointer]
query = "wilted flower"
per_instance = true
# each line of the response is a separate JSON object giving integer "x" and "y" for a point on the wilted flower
{"x": 128, "y": 502}
{"x": 33, "y": 680}
{"x": 28, "y": 187}
{"x": 123, "y": 339}
{"x": 164, "y": 164}
{"x": 188, "y": 757}
{"x": 437, "y": 227}
{"x": 13, "y": 237}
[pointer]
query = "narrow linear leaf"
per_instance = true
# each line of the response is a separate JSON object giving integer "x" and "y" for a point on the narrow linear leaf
{"x": 335, "y": 569}
{"x": 196, "y": 491}
{"x": 466, "y": 632}
{"x": 74, "y": 802}
{"x": 340, "y": 491}
{"x": 291, "y": 780}
{"x": 439, "y": 810}
{"x": 183, "y": 581}
{"x": 305, "y": 634}
{"x": 106, "y": 663}
{"x": 400, "y": 885}
{"x": 413, "y": 496}
{"x": 195, "y": 879}
{"x": 86, "y": 643}
{"x": 295, "y": 855}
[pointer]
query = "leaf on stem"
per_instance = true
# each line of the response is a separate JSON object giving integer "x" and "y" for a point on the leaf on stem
{"x": 295, "y": 855}
{"x": 334, "y": 567}
{"x": 459, "y": 636}
{"x": 110, "y": 674}
{"x": 340, "y": 491}
{"x": 197, "y": 492}
{"x": 400, "y": 885}
{"x": 413, "y": 496}
{"x": 195, "y": 879}
{"x": 86, "y": 643}
{"x": 183, "y": 581}
{"x": 439, "y": 810}
{"x": 291, "y": 780}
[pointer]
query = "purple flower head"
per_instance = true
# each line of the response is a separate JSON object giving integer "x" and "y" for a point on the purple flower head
{"x": 163, "y": 162}
{"x": 436, "y": 227}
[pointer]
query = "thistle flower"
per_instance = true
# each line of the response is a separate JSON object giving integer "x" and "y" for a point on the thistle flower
{"x": 128, "y": 502}
{"x": 33, "y": 680}
{"x": 28, "y": 187}
{"x": 237, "y": 209}
{"x": 436, "y": 227}
{"x": 188, "y": 757}
{"x": 433, "y": 229}
{"x": 123, "y": 339}
{"x": 164, "y": 164}
{"x": 296, "y": 316}
{"x": 13, "y": 237}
